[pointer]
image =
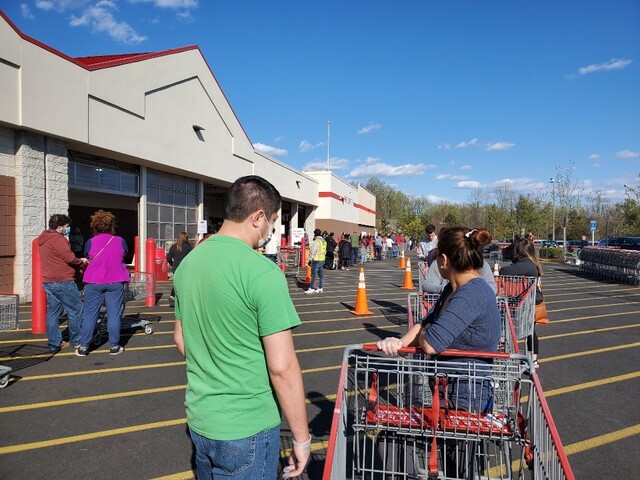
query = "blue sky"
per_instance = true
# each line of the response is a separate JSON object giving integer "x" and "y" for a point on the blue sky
{"x": 433, "y": 97}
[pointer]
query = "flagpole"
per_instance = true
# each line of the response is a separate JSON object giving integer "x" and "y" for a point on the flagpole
{"x": 329, "y": 146}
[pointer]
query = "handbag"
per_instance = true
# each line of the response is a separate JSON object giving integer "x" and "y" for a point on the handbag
{"x": 540, "y": 315}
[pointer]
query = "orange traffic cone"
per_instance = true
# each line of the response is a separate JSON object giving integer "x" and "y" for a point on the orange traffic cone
{"x": 307, "y": 279}
{"x": 361, "y": 297}
{"x": 408, "y": 279}
{"x": 402, "y": 260}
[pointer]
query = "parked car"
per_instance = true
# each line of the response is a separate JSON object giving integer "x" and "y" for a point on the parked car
{"x": 549, "y": 243}
{"x": 626, "y": 243}
{"x": 573, "y": 245}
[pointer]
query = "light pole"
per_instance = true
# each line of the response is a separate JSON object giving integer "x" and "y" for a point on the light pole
{"x": 553, "y": 202}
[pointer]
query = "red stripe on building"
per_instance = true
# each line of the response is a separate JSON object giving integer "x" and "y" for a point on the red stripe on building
{"x": 341, "y": 199}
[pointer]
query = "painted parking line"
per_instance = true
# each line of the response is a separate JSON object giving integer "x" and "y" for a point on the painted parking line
{"x": 600, "y": 440}
{"x": 587, "y": 332}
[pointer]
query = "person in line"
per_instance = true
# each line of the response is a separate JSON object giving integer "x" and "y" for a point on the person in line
{"x": 330, "y": 256}
{"x": 318, "y": 254}
{"x": 177, "y": 252}
{"x": 234, "y": 318}
{"x": 364, "y": 243}
{"x": 104, "y": 278}
{"x": 344, "y": 251}
{"x": 435, "y": 283}
{"x": 525, "y": 263}
{"x": 378, "y": 246}
{"x": 466, "y": 317}
{"x": 76, "y": 241}
{"x": 427, "y": 246}
{"x": 59, "y": 268}
{"x": 355, "y": 247}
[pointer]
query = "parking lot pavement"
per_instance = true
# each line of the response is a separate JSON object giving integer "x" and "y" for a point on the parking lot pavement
{"x": 104, "y": 417}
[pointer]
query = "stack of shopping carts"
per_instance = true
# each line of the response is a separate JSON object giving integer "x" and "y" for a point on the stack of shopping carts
{"x": 9, "y": 305}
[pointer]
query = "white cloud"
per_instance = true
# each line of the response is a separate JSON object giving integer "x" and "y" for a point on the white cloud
{"x": 448, "y": 176}
{"x": 468, "y": 184}
{"x": 278, "y": 139}
{"x": 369, "y": 128}
{"x": 373, "y": 167}
{"x": 465, "y": 167}
{"x": 269, "y": 150}
{"x": 444, "y": 146}
{"x": 495, "y": 146}
{"x": 44, "y": 5}
{"x": 26, "y": 11}
{"x": 169, "y": 3}
{"x": 594, "y": 156}
{"x": 305, "y": 146}
{"x": 336, "y": 163}
{"x": 102, "y": 20}
{"x": 470, "y": 143}
{"x": 627, "y": 154}
{"x": 521, "y": 185}
{"x": 613, "y": 64}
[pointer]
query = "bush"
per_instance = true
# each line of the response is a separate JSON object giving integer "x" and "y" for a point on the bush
{"x": 551, "y": 252}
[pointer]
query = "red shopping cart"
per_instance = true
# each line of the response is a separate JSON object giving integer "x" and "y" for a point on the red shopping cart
{"x": 488, "y": 418}
{"x": 9, "y": 305}
{"x": 520, "y": 295}
{"x": 289, "y": 260}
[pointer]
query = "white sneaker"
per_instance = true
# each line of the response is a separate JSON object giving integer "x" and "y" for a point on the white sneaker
{"x": 319, "y": 290}
{"x": 310, "y": 290}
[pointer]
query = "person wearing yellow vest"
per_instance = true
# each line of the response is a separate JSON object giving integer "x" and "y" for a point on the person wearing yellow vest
{"x": 318, "y": 253}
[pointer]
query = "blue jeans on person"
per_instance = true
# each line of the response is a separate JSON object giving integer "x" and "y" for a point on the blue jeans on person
{"x": 316, "y": 269}
{"x": 272, "y": 256}
{"x": 112, "y": 294}
{"x": 63, "y": 296}
{"x": 354, "y": 255}
{"x": 363, "y": 255}
{"x": 251, "y": 458}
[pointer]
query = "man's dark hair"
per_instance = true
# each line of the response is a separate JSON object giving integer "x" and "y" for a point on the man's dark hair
{"x": 430, "y": 229}
{"x": 248, "y": 194}
{"x": 58, "y": 220}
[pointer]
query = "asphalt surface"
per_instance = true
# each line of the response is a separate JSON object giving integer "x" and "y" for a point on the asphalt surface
{"x": 103, "y": 417}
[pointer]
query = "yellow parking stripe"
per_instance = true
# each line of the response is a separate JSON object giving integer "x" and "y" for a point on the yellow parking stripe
{"x": 104, "y": 370}
{"x": 90, "y": 436}
{"x": 586, "y": 332}
{"x": 589, "y": 352}
{"x": 592, "y": 384}
{"x": 601, "y": 440}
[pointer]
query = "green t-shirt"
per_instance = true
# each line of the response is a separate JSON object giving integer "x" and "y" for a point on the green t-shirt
{"x": 227, "y": 297}
{"x": 355, "y": 241}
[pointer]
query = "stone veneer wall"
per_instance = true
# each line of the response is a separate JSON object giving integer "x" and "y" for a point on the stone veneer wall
{"x": 42, "y": 189}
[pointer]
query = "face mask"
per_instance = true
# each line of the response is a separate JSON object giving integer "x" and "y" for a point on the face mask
{"x": 67, "y": 231}
{"x": 263, "y": 241}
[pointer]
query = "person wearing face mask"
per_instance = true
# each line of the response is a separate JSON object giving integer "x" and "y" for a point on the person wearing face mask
{"x": 59, "y": 266}
{"x": 234, "y": 321}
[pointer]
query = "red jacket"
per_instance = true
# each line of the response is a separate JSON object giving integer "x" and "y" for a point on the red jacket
{"x": 58, "y": 261}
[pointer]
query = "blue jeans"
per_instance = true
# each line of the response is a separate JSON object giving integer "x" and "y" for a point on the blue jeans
{"x": 316, "y": 269}
{"x": 94, "y": 294}
{"x": 63, "y": 296}
{"x": 354, "y": 255}
{"x": 363, "y": 255}
{"x": 251, "y": 458}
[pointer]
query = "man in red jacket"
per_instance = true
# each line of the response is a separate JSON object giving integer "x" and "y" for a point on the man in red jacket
{"x": 59, "y": 266}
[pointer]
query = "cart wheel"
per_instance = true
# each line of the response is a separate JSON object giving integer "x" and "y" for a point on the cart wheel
{"x": 4, "y": 381}
{"x": 148, "y": 329}
{"x": 96, "y": 340}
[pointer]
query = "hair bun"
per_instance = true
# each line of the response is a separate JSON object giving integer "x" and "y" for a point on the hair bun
{"x": 482, "y": 236}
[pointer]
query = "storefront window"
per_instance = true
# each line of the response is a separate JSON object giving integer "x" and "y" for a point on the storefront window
{"x": 171, "y": 201}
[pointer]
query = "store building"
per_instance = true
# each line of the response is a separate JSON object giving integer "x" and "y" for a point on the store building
{"x": 343, "y": 207}
{"x": 150, "y": 137}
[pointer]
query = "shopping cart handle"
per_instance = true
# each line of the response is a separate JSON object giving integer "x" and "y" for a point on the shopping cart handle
{"x": 449, "y": 353}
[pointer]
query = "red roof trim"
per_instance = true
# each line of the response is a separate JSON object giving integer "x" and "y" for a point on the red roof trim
{"x": 99, "y": 62}
{"x": 95, "y": 64}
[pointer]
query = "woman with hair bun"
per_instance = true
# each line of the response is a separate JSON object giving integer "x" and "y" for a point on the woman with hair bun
{"x": 466, "y": 316}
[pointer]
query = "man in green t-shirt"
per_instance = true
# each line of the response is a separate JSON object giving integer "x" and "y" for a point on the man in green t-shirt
{"x": 233, "y": 324}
